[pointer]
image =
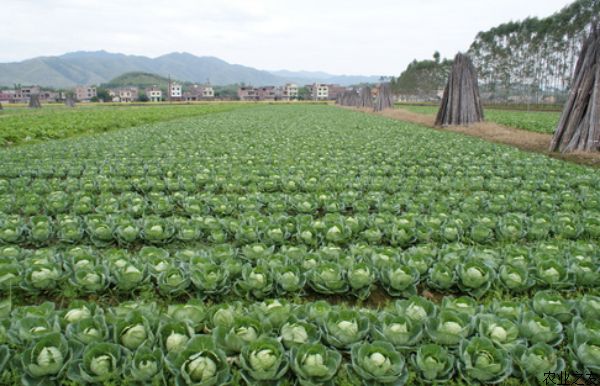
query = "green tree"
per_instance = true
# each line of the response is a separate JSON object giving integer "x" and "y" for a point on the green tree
{"x": 142, "y": 97}
{"x": 304, "y": 94}
{"x": 423, "y": 79}
{"x": 226, "y": 92}
{"x": 102, "y": 95}
{"x": 532, "y": 59}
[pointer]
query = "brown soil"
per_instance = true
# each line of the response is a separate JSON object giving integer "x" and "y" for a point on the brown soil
{"x": 492, "y": 132}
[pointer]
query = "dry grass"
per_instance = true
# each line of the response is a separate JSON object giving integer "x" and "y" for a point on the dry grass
{"x": 493, "y": 132}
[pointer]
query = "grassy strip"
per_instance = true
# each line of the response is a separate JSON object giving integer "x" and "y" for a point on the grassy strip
{"x": 538, "y": 121}
{"x": 497, "y": 106}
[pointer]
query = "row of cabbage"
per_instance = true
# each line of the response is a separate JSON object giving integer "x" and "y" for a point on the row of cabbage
{"x": 151, "y": 178}
{"x": 135, "y": 203}
{"x": 376, "y": 229}
{"x": 276, "y": 341}
{"x": 257, "y": 271}
{"x": 226, "y": 158}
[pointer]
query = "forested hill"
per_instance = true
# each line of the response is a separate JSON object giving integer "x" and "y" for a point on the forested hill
{"x": 533, "y": 58}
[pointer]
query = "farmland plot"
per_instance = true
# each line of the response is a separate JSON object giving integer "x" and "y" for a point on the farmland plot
{"x": 285, "y": 244}
{"x": 20, "y": 125}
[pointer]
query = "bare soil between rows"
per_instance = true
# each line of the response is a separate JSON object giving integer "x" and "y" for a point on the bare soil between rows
{"x": 493, "y": 132}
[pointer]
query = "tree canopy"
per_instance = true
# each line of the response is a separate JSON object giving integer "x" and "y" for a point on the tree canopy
{"x": 422, "y": 79}
{"x": 533, "y": 60}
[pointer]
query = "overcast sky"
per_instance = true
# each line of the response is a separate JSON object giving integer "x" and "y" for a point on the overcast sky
{"x": 338, "y": 36}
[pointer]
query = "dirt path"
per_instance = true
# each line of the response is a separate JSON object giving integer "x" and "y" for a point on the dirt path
{"x": 493, "y": 132}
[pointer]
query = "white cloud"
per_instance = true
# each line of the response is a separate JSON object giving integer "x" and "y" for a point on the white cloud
{"x": 351, "y": 36}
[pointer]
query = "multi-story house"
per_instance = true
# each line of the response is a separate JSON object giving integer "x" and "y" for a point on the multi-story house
{"x": 247, "y": 94}
{"x": 267, "y": 93}
{"x": 290, "y": 92}
{"x": 126, "y": 94}
{"x": 154, "y": 94}
{"x": 26, "y": 92}
{"x": 175, "y": 91}
{"x": 208, "y": 92}
{"x": 319, "y": 91}
{"x": 199, "y": 92}
{"x": 85, "y": 93}
{"x": 22, "y": 94}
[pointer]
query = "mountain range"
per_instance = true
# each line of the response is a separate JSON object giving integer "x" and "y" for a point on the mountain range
{"x": 96, "y": 67}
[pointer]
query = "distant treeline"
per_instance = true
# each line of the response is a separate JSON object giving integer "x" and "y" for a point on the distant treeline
{"x": 528, "y": 61}
{"x": 533, "y": 57}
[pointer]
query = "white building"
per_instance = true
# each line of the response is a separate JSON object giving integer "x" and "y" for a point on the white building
{"x": 290, "y": 91}
{"x": 176, "y": 91}
{"x": 208, "y": 91}
{"x": 154, "y": 94}
{"x": 320, "y": 91}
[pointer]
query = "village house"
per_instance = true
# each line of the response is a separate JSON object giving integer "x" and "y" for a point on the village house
{"x": 85, "y": 93}
{"x": 7, "y": 96}
{"x": 50, "y": 96}
{"x": 22, "y": 95}
{"x": 175, "y": 92}
{"x": 208, "y": 91}
{"x": 199, "y": 92}
{"x": 290, "y": 91}
{"x": 319, "y": 91}
{"x": 267, "y": 93}
{"x": 325, "y": 91}
{"x": 124, "y": 95}
{"x": 247, "y": 94}
{"x": 154, "y": 94}
{"x": 26, "y": 92}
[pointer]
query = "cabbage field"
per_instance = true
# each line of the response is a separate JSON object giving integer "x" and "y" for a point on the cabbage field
{"x": 295, "y": 245}
{"x": 21, "y": 125}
